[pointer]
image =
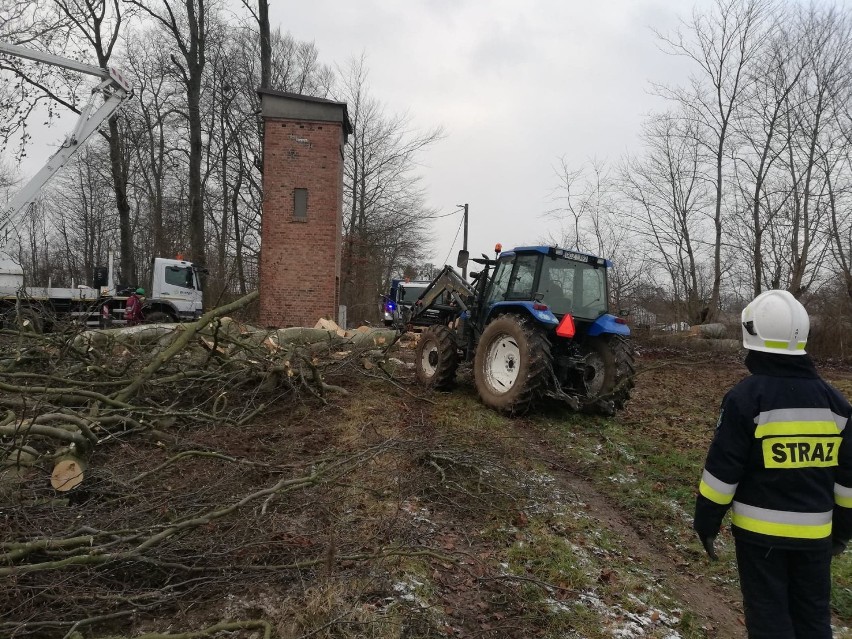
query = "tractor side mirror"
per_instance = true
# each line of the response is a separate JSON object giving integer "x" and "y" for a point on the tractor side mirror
{"x": 464, "y": 256}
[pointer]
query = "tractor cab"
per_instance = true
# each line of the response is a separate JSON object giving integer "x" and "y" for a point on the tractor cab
{"x": 563, "y": 281}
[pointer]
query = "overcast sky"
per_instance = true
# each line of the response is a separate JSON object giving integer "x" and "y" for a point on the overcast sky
{"x": 516, "y": 85}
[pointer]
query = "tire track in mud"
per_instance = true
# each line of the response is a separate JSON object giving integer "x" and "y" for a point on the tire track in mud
{"x": 718, "y": 612}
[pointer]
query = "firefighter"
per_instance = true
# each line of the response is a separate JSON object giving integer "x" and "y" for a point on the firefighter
{"x": 781, "y": 460}
{"x": 133, "y": 307}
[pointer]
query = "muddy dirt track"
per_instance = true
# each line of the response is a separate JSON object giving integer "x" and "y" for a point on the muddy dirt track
{"x": 431, "y": 516}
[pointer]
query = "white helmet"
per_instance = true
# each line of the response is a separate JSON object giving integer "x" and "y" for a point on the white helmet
{"x": 776, "y": 322}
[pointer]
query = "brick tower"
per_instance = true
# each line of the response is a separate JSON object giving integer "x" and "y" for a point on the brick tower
{"x": 301, "y": 226}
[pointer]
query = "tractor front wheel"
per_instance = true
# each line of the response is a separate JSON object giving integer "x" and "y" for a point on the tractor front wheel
{"x": 512, "y": 364}
{"x": 436, "y": 358}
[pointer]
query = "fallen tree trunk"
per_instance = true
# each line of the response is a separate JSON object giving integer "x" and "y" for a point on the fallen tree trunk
{"x": 125, "y": 335}
{"x": 190, "y": 331}
{"x": 710, "y": 331}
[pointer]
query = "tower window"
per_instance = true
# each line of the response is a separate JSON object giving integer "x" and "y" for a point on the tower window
{"x": 300, "y": 204}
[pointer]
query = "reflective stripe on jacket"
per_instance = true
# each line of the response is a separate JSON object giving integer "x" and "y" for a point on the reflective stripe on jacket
{"x": 781, "y": 458}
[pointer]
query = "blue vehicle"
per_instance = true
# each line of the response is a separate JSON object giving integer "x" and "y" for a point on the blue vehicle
{"x": 396, "y": 305}
{"x": 535, "y": 323}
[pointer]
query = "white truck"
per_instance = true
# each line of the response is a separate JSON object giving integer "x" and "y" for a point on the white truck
{"x": 174, "y": 294}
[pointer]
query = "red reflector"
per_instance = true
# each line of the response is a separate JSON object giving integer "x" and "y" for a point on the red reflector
{"x": 620, "y": 320}
{"x": 566, "y": 326}
{"x": 539, "y": 307}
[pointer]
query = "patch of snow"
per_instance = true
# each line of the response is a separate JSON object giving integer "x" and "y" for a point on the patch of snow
{"x": 678, "y": 511}
{"x": 558, "y": 606}
{"x": 630, "y": 625}
{"x": 592, "y": 600}
{"x": 419, "y": 514}
{"x": 407, "y": 591}
{"x": 624, "y": 452}
{"x": 630, "y": 630}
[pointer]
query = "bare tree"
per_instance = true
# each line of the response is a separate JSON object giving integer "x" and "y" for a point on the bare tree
{"x": 80, "y": 210}
{"x": 592, "y": 219}
{"x": 27, "y": 22}
{"x": 669, "y": 203}
{"x": 98, "y": 23}
{"x": 762, "y": 138}
{"x": 152, "y": 123}
{"x": 188, "y": 23}
{"x": 574, "y": 196}
{"x": 722, "y": 43}
{"x": 385, "y": 214}
{"x": 827, "y": 52}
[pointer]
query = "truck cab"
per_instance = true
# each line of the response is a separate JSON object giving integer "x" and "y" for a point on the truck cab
{"x": 176, "y": 293}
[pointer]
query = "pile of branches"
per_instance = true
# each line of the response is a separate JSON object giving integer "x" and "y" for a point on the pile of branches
{"x": 120, "y": 462}
{"x": 70, "y": 392}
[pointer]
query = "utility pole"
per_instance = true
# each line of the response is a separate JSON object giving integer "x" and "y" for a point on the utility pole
{"x": 464, "y": 241}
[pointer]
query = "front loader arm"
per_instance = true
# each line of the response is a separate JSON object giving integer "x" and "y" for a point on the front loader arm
{"x": 448, "y": 284}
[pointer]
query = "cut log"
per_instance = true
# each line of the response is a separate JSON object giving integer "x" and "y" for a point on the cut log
{"x": 710, "y": 331}
{"x": 298, "y": 335}
{"x": 143, "y": 334}
{"x": 21, "y": 456}
{"x": 68, "y": 473}
{"x": 373, "y": 337}
{"x": 327, "y": 325}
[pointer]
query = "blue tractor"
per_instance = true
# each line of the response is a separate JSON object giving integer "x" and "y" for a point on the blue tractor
{"x": 535, "y": 323}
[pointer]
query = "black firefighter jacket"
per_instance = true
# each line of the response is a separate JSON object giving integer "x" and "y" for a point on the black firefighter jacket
{"x": 781, "y": 458}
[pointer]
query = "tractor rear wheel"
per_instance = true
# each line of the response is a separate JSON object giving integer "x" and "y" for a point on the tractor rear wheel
{"x": 608, "y": 373}
{"x": 436, "y": 358}
{"x": 625, "y": 369}
{"x": 512, "y": 365}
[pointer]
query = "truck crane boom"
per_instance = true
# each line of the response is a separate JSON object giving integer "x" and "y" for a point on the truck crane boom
{"x": 115, "y": 90}
{"x": 175, "y": 293}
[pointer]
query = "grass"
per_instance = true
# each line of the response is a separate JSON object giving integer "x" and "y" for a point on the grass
{"x": 528, "y": 558}
{"x": 658, "y": 452}
{"x": 841, "y": 594}
{"x": 565, "y": 558}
